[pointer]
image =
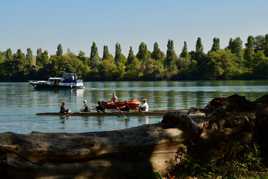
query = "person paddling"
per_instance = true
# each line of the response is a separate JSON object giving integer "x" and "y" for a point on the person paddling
{"x": 85, "y": 107}
{"x": 63, "y": 110}
{"x": 100, "y": 107}
{"x": 114, "y": 98}
{"x": 144, "y": 107}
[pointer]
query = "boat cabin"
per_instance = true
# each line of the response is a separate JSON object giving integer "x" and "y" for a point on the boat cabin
{"x": 55, "y": 80}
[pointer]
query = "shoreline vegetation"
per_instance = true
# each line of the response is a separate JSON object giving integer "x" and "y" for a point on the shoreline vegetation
{"x": 234, "y": 62}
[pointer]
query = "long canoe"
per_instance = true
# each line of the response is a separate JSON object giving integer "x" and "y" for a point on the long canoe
{"x": 115, "y": 113}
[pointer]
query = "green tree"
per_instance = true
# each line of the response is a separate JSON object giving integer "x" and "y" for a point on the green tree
{"x": 119, "y": 57}
{"x": 133, "y": 70}
{"x": 66, "y": 63}
{"x": 44, "y": 58}
{"x": 38, "y": 57}
{"x": 131, "y": 56}
{"x": 94, "y": 59}
{"x": 236, "y": 46}
{"x": 153, "y": 70}
{"x": 9, "y": 54}
{"x": 157, "y": 54}
{"x": 106, "y": 53}
{"x": 249, "y": 52}
{"x": 215, "y": 45}
{"x": 1, "y": 58}
{"x": 221, "y": 65}
{"x": 230, "y": 44}
{"x": 108, "y": 67}
{"x": 59, "y": 51}
{"x": 184, "y": 59}
{"x": 171, "y": 60}
{"x": 143, "y": 53}
{"x": 120, "y": 61}
{"x": 260, "y": 70}
{"x": 184, "y": 52}
{"x": 29, "y": 57}
{"x": 259, "y": 42}
{"x": 266, "y": 45}
{"x": 199, "y": 46}
{"x": 82, "y": 56}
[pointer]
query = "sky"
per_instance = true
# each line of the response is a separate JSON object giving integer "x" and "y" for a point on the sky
{"x": 77, "y": 23}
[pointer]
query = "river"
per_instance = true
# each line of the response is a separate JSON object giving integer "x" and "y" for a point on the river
{"x": 19, "y": 102}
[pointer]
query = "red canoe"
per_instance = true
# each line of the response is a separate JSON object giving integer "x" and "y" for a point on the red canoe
{"x": 131, "y": 104}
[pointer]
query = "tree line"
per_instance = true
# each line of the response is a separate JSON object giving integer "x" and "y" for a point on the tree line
{"x": 236, "y": 61}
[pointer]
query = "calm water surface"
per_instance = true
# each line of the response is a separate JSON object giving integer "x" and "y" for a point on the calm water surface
{"x": 19, "y": 102}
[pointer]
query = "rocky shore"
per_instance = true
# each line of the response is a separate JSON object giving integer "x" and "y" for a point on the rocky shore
{"x": 230, "y": 140}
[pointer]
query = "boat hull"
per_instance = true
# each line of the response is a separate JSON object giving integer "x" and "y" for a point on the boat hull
{"x": 54, "y": 87}
{"x": 132, "y": 113}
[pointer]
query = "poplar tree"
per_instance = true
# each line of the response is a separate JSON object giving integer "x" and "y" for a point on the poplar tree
{"x": 199, "y": 46}
{"x": 265, "y": 48}
{"x": 157, "y": 54}
{"x": 133, "y": 69}
{"x": 44, "y": 58}
{"x": 106, "y": 53}
{"x": 29, "y": 56}
{"x": 215, "y": 45}
{"x": 170, "y": 61}
{"x": 59, "y": 51}
{"x": 8, "y": 54}
{"x": 184, "y": 52}
{"x": 171, "y": 56}
{"x": 249, "y": 51}
{"x": 119, "y": 57}
{"x": 236, "y": 46}
{"x": 131, "y": 56}
{"x": 94, "y": 59}
{"x": 108, "y": 67}
{"x": 143, "y": 53}
{"x": 120, "y": 61}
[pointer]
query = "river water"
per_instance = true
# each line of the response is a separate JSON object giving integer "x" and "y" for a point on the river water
{"x": 19, "y": 102}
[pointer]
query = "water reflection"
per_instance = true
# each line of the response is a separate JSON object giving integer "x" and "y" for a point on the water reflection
{"x": 19, "y": 102}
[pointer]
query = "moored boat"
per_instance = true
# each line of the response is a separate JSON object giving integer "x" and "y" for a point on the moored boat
{"x": 67, "y": 81}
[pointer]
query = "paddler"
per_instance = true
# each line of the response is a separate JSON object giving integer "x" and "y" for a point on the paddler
{"x": 100, "y": 107}
{"x": 63, "y": 110}
{"x": 114, "y": 97}
{"x": 144, "y": 107}
{"x": 85, "y": 107}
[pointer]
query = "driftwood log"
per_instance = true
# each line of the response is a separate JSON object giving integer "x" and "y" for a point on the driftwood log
{"x": 130, "y": 153}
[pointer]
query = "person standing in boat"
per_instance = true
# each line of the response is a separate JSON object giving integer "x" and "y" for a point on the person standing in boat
{"x": 114, "y": 98}
{"x": 85, "y": 107}
{"x": 63, "y": 110}
{"x": 144, "y": 107}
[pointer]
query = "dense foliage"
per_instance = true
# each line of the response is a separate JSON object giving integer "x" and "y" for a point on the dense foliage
{"x": 232, "y": 62}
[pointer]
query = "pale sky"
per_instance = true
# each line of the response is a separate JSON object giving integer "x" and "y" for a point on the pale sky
{"x": 77, "y": 23}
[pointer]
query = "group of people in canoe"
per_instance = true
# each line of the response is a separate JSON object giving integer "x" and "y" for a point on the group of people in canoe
{"x": 114, "y": 104}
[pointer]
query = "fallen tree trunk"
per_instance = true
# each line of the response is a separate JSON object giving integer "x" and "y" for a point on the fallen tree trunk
{"x": 131, "y": 152}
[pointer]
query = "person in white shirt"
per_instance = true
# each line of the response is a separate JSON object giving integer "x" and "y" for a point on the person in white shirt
{"x": 114, "y": 98}
{"x": 144, "y": 107}
{"x": 85, "y": 107}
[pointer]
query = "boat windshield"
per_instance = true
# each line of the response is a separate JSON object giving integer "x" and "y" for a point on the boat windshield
{"x": 55, "y": 79}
